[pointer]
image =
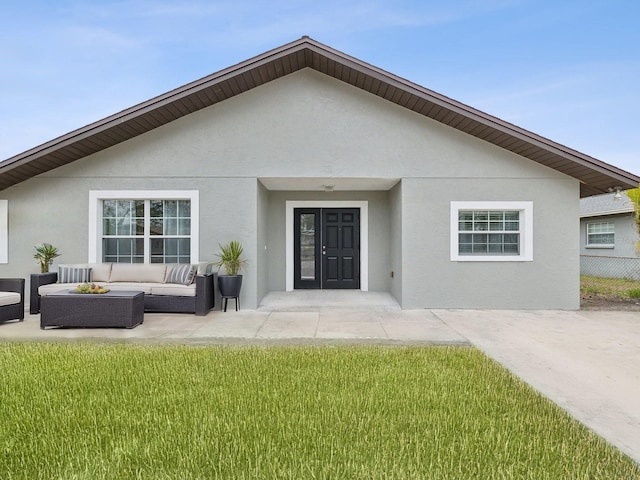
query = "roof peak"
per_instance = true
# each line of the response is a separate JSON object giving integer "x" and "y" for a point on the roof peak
{"x": 595, "y": 176}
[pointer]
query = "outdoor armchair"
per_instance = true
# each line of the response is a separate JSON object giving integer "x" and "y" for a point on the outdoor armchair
{"x": 11, "y": 299}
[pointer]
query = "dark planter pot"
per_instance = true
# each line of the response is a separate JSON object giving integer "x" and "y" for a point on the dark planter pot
{"x": 230, "y": 285}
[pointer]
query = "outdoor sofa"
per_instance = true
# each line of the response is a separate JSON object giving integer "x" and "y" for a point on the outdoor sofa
{"x": 170, "y": 288}
{"x": 11, "y": 299}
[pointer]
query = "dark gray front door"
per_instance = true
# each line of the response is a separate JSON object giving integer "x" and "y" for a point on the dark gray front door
{"x": 327, "y": 248}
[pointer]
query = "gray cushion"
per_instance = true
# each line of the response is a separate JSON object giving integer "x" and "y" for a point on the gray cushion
{"x": 9, "y": 298}
{"x": 138, "y": 272}
{"x": 174, "y": 290}
{"x": 181, "y": 273}
{"x": 100, "y": 272}
{"x": 74, "y": 274}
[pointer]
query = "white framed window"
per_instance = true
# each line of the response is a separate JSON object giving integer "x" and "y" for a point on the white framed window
{"x": 601, "y": 235}
{"x": 144, "y": 226}
{"x": 491, "y": 231}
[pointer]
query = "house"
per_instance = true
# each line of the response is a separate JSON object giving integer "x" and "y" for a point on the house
{"x": 609, "y": 239}
{"x": 332, "y": 173}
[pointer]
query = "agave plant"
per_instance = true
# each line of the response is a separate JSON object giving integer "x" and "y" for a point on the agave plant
{"x": 45, "y": 254}
{"x": 230, "y": 257}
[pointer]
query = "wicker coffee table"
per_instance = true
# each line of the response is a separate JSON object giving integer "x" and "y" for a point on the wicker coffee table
{"x": 111, "y": 309}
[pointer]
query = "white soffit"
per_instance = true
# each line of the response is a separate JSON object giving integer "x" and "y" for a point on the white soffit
{"x": 323, "y": 184}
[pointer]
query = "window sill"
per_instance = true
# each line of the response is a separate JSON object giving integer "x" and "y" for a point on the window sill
{"x": 610, "y": 247}
{"x": 489, "y": 258}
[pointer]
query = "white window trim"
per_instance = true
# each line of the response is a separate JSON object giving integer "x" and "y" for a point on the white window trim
{"x": 526, "y": 231}
{"x": 598, "y": 245}
{"x": 95, "y": 215}
{"x": 4, "y": 231}
{"x": 364, "y": 236}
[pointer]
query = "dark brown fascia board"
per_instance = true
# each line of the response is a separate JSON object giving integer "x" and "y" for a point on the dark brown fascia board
{"x": 305, "y": 46}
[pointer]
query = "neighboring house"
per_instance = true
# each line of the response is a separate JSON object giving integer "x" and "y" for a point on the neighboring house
{"x": 609, "y": 240}
{"x": 331, "y": 172}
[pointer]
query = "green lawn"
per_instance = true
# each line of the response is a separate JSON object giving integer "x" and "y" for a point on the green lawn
{"x": 93, "y": 411}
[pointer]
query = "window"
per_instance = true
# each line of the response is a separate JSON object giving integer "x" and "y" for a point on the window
{"x": 133, "y": 229}
{"x": 491, "y": 231}
{"x": 600, "y": 235}
{"x": 144, "y": 227}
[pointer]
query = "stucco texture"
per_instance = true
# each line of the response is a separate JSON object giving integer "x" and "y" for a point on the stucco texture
{"x": 307, "y": 125}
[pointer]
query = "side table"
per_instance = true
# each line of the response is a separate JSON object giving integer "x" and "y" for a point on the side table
{"x": 36, "y": 280}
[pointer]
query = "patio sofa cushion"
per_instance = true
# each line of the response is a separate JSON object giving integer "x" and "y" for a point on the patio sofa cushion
{"x": 138, "y": 272}
{"x": 57, "y": 287}
{"x": 181, "y": 273}
{"x": 73, "y": 274}
{"x": 129, "y": 286}
{"x": 100, "y": 271}
{"x": 148, "y": 288}
{"x": 9, "y": 298}
{"x": 174, "y": 289}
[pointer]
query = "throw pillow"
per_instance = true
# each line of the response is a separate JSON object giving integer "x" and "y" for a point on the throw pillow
{"x": 74, "y": 274}
{"x": 181, "y": 273}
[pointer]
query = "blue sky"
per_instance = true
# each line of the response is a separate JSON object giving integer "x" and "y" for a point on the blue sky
{"x": 567, "y": 70}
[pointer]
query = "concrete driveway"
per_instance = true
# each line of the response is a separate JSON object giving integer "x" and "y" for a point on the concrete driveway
{"x": 587, "y": 362}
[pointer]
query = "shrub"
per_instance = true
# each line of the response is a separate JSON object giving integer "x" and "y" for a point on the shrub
{"x": 633, "y": 293}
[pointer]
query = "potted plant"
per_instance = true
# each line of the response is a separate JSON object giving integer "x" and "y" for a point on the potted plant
{"x": 45, "y": 254}
{"x": 230, "y": 258}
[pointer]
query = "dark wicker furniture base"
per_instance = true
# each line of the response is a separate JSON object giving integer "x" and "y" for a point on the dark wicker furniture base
{"x": 112, "y": 309}
{"x": 15, "y": 311}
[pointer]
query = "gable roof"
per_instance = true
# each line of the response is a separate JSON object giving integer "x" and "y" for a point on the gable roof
{"x": 595, "y": 176}
{"x": 605, "y": 204}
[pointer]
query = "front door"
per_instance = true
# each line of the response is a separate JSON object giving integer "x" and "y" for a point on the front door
{"x": 327, "y": 248}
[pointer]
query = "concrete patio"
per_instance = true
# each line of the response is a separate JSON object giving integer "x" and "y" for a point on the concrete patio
{"x": 311, "y": 317}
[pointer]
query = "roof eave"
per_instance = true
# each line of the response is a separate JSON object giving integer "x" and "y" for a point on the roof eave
{"x": 607, "y": 213}
{"x": 595, "y": 176}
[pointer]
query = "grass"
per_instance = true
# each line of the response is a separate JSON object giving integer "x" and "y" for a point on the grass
{"x": 611, "y": 287}
{"x": 94, "y": 411}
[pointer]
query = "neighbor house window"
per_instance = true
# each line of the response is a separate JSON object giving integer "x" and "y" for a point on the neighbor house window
{"x": 600, "y": 235}
{"x": 144, "y": 227}
{"x": 491, "y": 231}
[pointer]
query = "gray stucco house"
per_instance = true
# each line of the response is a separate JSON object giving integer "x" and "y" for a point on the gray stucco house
{"x": 333, "y": 174}
{"x": 609, "y": 240}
